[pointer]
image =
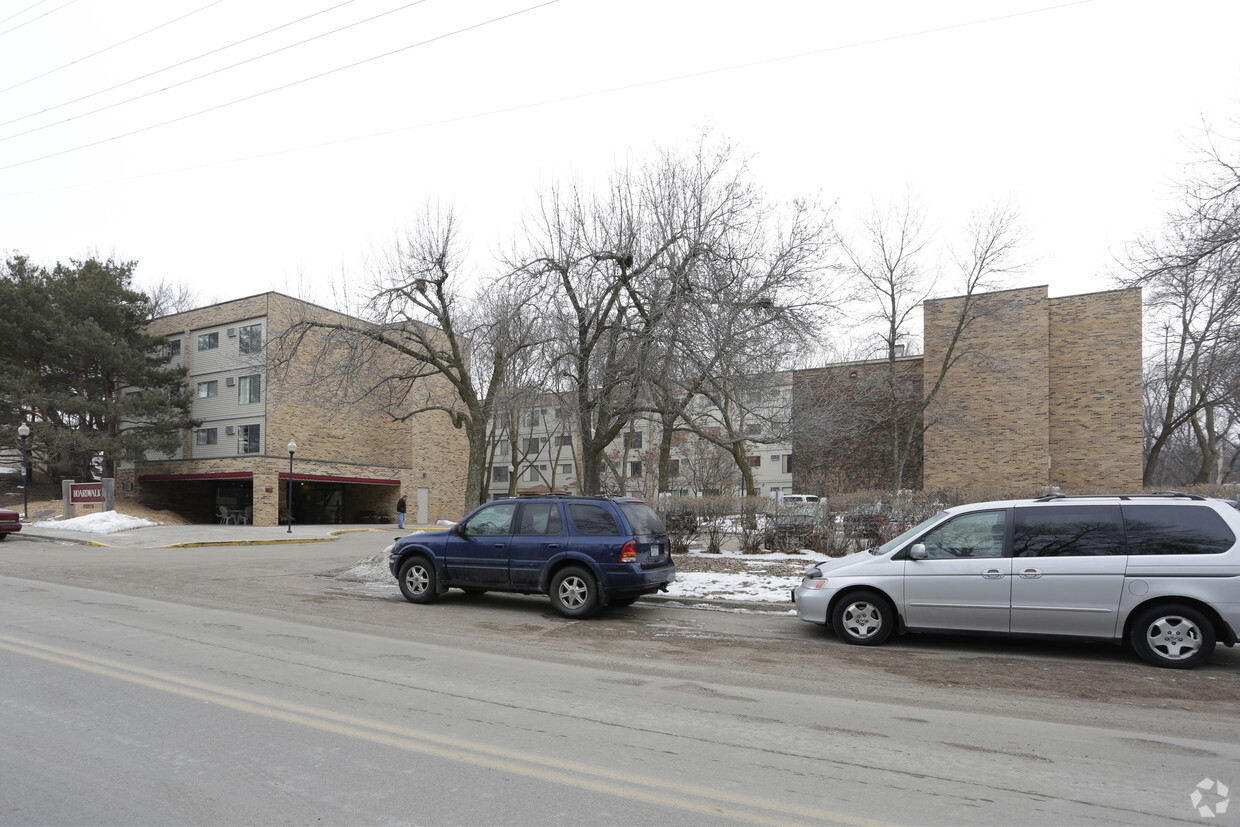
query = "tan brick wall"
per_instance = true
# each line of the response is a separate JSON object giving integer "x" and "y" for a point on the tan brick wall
{"x": 1095, "y": 391}
{"x": 334, "y": 437}
{"x": 989, "y": 424}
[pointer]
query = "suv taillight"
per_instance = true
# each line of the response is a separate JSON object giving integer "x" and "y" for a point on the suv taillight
{"x": 628, "y": 554}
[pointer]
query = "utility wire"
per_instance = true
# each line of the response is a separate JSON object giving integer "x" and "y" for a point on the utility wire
{"x": 169, "y": 68}
{"x": 554, "y": 101}
{"x": 33, "y": 19}
{"x": 282, "y": 87}
{"x": 23, "y": 11}
{"x": 107, "y": 48}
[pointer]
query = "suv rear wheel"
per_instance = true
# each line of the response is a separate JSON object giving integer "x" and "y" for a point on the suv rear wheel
{"x": 1172, "y": 635}
{"x": 574, "y": 592}
{"x": 417, "y": 580}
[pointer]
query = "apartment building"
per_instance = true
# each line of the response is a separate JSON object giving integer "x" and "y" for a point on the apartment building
{"x": 350, "y": 463}
{"x": 539, "y": 449}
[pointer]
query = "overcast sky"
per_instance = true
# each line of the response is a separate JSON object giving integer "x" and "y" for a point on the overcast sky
{"x": 225, "y": 144}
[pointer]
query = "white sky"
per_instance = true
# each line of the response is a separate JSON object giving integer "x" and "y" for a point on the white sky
{"x": 1080, "y": 113}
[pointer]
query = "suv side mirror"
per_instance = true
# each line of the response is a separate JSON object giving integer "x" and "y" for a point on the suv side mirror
{"x": 917, "y": 551}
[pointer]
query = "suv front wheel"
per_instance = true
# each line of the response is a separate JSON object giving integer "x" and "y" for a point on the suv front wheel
{"x": 417, "y": 580}
{"x": 1172, "y": 635}
{"x": 574, "y": 592}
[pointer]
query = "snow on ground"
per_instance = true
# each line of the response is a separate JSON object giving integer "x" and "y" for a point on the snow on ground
{"x": 103, "y": 522}
{"x": 741, "y": 584}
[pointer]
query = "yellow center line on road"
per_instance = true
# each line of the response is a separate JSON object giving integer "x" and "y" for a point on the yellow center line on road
{"x": 603, "y": 780}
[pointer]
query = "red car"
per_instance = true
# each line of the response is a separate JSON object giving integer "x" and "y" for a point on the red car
{"x": 10, "y": 521}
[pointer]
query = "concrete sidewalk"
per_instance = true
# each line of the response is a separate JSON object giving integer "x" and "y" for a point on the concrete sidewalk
{"x": 186, "y": 536}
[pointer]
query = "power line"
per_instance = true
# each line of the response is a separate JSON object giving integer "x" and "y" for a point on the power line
{"x": 282, "y": 87}
{"x": 169, "y": 68}
{"x": 107, "y": 48}
{"x": 23, "y": 11}
{"x": 33, "y": 19}
{"x": 551, "y": 101}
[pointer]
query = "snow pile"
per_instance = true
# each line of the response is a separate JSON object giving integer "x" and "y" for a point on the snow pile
{"x": 371, "y": 570}
{"x": 754, "y": 588}
{"x": 104, "y": 522}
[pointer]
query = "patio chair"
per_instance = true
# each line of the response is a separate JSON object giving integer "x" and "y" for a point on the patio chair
{"x": 226, "y": 518}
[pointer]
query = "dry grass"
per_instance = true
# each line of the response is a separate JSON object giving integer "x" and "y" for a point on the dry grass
{"x": 46, "y": 503}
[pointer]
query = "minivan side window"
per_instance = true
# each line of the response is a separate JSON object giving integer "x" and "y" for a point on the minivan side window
{"x": 1176, "y": 529}
{"x": 967, "y": 536}
{"x": 1068, "y": 531}
{"x": 593, "y": 520}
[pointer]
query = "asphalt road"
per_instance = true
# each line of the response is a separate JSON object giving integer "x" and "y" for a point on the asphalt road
{"x": 245, "y": 685}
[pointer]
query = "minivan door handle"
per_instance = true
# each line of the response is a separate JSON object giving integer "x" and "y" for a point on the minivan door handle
{"x": 1030, "y": 574}
{"x": 992, "y": 574}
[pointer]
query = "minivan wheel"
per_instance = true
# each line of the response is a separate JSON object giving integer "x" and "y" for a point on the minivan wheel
{"x": 1173, "y": 636}
{"x": 574, "y": 592}
{"x": 417, "y": 581}
{"x": 863, "y": 618}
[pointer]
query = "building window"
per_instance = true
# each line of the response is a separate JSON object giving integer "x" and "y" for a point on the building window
{"x": 205, "y": 436}
{"x": 248, "y": 439}
{"x": 133, "y": 394}
{"x": 753, "y": 429}
{"x": 532, "y": 445}
{"x": 633, "y": 442}
{"x": 208, "y": 341}
{"x": 206, "y": 389}
{"x": 174, "y": 347}
{"x": 532, "y": 418}
{"x": 673, "y": 468}
{"x": 250, "y": 338}
{"x": 499, "y": 473}
{"x": 788, "y": 464}
{"x": 635, "y": 469}
{"x": 502, "y": 448}
{"x": 533, "y": 475}
{"x": 566, "y": 442}
{"x": 250, "y": 389}
{"x": 774, "y": 457}
{"x": 566, "y": 468}
{"x": 755, "y": 462}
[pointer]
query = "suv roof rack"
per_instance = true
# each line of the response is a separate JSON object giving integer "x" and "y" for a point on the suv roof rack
{"x": 1161, "y": 494}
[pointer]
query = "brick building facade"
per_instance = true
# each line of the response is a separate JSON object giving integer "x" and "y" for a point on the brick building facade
{"x": 1040, "y": 391}
{"x": 352, "y": 461}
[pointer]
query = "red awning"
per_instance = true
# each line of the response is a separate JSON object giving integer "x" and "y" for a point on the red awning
{"x": 217, "y": 475}
{"x": 330, "y": 478}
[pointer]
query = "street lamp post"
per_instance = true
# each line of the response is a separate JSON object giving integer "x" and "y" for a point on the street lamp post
{"x": 292, "y": 449}
{"x": 23, "y": 431}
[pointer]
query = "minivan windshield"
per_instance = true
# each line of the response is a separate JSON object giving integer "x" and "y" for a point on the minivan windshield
{"x": 895, "y": 542}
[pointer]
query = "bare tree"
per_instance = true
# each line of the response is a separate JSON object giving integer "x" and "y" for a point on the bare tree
{"x": 420, "y": 325}
{"x": 1190, "y": 274}
{"x": 898, "y": 264}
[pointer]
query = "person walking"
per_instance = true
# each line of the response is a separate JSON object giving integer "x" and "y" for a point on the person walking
{"x": 400, "y": 511}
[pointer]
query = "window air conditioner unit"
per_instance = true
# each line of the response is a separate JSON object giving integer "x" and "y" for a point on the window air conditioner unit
{"x": 230, "y": 381}
{"x": 232, "y": 332}
{"x": 229, "y": 430}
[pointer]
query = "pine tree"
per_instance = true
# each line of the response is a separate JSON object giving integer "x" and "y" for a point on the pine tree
{"x": 76, "y": 362}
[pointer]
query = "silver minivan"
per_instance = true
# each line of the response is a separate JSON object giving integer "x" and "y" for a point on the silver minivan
{"x": 1160, "y": 571}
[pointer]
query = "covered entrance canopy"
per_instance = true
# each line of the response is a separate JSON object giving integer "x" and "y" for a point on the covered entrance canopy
{"x": 219, "y": 496}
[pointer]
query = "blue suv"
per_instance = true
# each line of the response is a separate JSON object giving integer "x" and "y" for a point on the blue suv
{"x": 585, "y": 552}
